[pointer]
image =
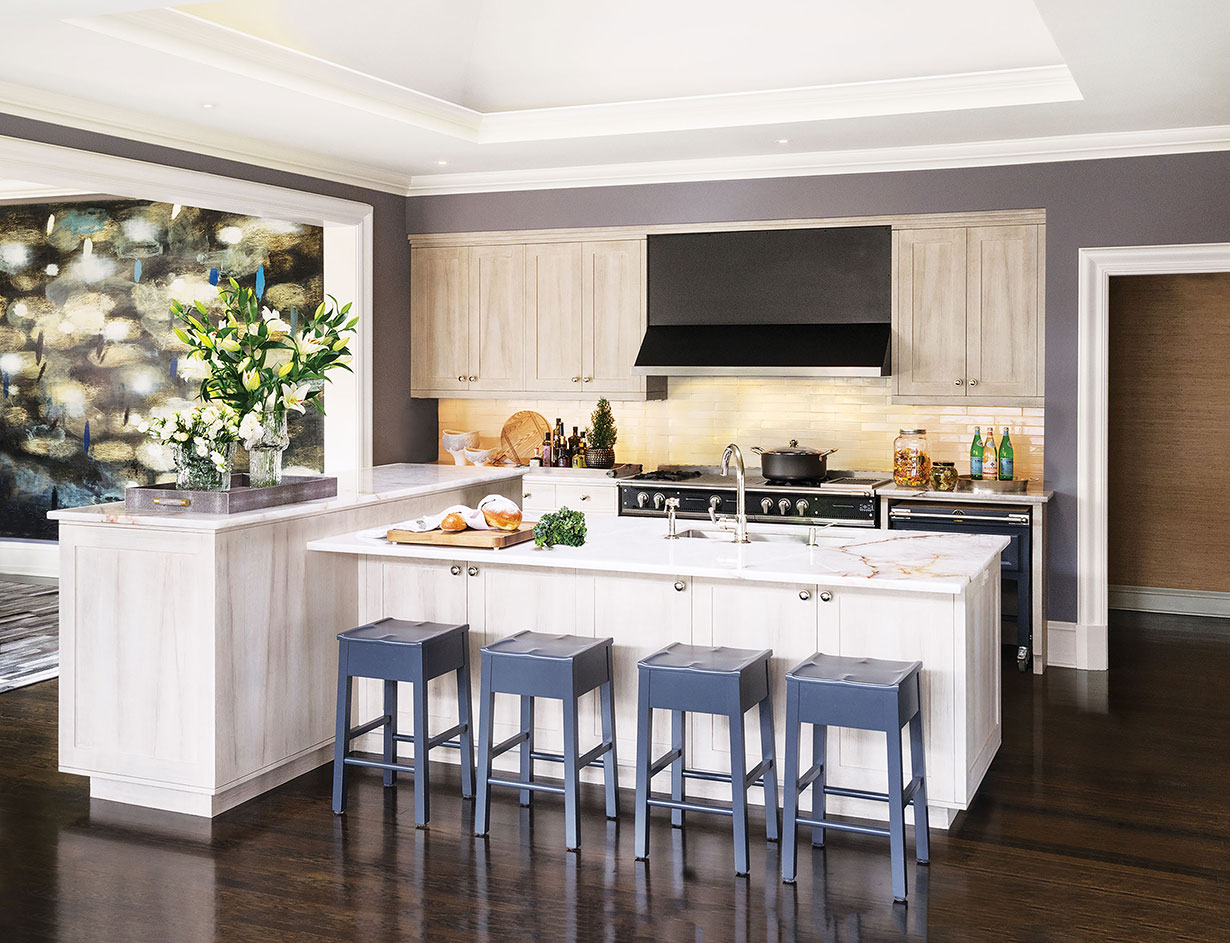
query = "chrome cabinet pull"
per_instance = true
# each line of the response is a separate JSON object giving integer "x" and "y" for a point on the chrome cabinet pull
{"x": 587, "y": 379}
{"x": 473, "y": 571}
{"x": 461, "y": 379}
{"x": 526, "y": 494}
{"x": 957, "y": 382}
{"x": 576, "y": 379}
{"x": 455, "y": 570}
{"x": 472, "y": 379}
{"x": 584, "y": 497}
{"x": 973, "y": 382}
{"x": 680, "y": 586}
{"x": 804, "y": 595}
{"x": 826, "y": 596}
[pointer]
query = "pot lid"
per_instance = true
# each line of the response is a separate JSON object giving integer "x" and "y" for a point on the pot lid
{"x": 792, "y": 449}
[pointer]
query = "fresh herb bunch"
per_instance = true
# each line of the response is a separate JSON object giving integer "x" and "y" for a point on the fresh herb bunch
{"x": 563, "y": 527}
{"x": 602, "y": 429}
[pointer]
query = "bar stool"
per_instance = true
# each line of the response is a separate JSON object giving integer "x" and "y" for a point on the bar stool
{"x": 531, "y": 665}
{"x": 726, "y": 681}
{"x": 868, "y": 694}
{"x": 414, "y": 652}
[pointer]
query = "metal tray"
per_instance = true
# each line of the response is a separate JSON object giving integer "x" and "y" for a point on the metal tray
{"x": 992, "y": 485}
{"x": 294, "y": 489}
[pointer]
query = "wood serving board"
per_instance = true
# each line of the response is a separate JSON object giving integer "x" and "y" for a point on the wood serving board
{"x": 522, "y": 435}
{"x": 491, "y": 539}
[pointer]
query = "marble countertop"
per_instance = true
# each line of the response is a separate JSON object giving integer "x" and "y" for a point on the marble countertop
{"x": 916, "y": 562}
{"x": 366, "y": 486}
{"x": 1034, "y": 495}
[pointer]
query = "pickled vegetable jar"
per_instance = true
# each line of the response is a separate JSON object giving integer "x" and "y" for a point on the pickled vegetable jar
{"x": 911, "y": 460}
{"x": 943, "y": 476}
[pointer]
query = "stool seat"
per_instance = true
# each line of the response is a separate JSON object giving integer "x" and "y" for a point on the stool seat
{"x": 719, "y": 660}
{"x": 397, "y": 632}
{"x": 543, "y": 645}
{"x": 838, "y": 669}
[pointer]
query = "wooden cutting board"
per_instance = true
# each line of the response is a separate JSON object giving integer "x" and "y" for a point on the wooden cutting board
{"x": 491, "y": 539}
{"x": 522, "y": 435}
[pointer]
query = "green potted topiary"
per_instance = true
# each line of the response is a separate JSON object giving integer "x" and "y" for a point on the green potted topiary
{"x": 602, "y": 435}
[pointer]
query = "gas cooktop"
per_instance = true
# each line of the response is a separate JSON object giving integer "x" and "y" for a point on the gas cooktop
{"x": 709, "y": 476}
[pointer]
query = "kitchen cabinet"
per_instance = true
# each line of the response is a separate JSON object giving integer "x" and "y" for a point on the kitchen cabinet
{"x": 540, "y": 494}
{"x": 967, "y": 315}
{"x": 467, "y": 316}
{"x": 553, "y": 300}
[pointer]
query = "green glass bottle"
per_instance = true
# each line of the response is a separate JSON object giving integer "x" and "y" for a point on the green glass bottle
{"x": 975, "y": 455}
{"x": 1005, "y": 457}
{"x": 990, "y": 458}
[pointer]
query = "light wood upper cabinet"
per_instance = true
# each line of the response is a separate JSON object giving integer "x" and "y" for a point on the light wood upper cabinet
{"x": 554, "y": 291}
{"x": 967, "y": 317}
{"x": 497, "y": 315}
{"x": 439, "y": 318}
{"x": 613, "y": 316}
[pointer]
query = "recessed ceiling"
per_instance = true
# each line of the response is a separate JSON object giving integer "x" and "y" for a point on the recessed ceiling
{"x": 417, "y": 96}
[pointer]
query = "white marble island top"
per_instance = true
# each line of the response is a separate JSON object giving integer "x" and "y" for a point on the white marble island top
{"x": 366, "y": 486}
{"x": 917, "y": 562}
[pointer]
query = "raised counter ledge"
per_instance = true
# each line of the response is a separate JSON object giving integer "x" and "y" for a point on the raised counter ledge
{"x": 1034, "y": 495}
{"x": 930, "y": 563}
{"x": 354, "y": 489}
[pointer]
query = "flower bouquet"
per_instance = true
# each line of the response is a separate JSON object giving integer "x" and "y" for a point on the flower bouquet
{"x": 202, "y": 440}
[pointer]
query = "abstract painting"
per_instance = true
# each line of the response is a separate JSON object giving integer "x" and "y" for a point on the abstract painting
{"x": 87, "y": 350}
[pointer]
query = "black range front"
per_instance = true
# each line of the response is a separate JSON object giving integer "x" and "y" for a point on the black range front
{"x": 806, "y": 506}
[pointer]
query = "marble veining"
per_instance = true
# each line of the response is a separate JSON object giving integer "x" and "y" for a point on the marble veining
{"x": 936, "y": 563}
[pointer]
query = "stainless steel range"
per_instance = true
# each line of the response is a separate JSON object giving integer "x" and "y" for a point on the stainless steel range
{"x": 842, "y": 497}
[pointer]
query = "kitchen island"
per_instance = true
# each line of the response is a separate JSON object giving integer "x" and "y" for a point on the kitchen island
{"x": 198, "y": 652}
{"x": 935, "y": 598}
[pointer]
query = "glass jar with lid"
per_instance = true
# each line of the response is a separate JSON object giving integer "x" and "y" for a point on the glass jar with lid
{"x": 943, "y": 476}
{"x": 911, "y": 459}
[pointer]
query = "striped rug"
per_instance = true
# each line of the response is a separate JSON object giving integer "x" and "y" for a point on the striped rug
{"x": 29, "y": 633}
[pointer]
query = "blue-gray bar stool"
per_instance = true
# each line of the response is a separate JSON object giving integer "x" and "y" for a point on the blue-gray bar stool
{"x": 867, "y": 694}
{"x": 564, "y": 667}
{"x": 729, "y": 682}
{"x": 415, "y": 652}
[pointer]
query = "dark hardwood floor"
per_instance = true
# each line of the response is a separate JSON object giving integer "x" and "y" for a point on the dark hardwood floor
{"x": 1104, "y": 817}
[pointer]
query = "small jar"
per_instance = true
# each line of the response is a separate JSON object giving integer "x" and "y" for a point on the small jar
{"x": 911, "y": 460}
{"x": 943, "y": 476}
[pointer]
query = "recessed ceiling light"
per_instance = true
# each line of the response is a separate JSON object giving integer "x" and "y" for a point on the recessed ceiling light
{"x": 441, "y": 163}
{"x": 782, "y": 141}
{"x": 207, "y": 105}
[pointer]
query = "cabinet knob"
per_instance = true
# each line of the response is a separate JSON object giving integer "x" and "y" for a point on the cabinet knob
{"x": 472, "y": 379}
{"x": 587, "y": 379}
{"x": 473, "y": 571}
{"x": 973, "y": 382}
{"x": 461, "y": 379}
{"x": 455, "y": 570}
{"x": 957, "y": 382}
{"x": 584, "y": 497}
{"x": 826, "y": 596}
{"x": 680, "y": 586}
{"x": 526, "y": 494}
{"x": 804, "y": 595}
{"x": 576, "y": 379}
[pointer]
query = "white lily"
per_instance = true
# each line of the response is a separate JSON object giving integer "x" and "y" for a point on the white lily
{"x": 295, "y": 397}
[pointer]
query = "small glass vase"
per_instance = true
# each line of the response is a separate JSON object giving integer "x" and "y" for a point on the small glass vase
{"x": 196, "y": 473}
{"x": 265, "y": 457}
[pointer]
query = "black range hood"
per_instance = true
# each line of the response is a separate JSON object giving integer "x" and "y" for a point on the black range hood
{"x": 777, "y": 302}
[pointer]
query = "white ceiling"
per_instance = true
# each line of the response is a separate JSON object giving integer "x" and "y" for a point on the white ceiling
{"x": 428, "y": 96}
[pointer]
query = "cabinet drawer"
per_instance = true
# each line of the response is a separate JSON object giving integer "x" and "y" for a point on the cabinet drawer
{"x": 590, "y": 498}
{"x": 537, "y": 497}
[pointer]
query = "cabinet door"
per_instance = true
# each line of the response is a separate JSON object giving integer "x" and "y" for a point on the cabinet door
{"x": 752, "y": 616}
{"x": 613, "y": 324}
{"x": 929, "y": 339}
{"x": 496, "y": 329}
{"x": 553, "y": 305}
{"x": 439, "y": 319}
{"x": 1002, "y": 306}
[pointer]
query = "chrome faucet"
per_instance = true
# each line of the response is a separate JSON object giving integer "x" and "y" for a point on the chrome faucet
{"x": 740, "y": 528}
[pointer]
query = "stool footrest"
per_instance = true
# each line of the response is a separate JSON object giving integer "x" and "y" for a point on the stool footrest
{"x": 442, "y": 738}
{"x": 810, "y": 777}
{"x": 689, "y": 806}
{"x": 369, "y": 726}
{"x": 559, "y": 757}
{"x": 508, "y": 744}
{"x": 907, "y": 794}
{"x": 377, "y": 764}
{"x": 437, "y": 741}
{"x": 756, "y": 773}
{"x": 518, "y": 784}
{"x": 842, "y": 826}
{"x": 712, "y": 777}
{"x": 665, "y": 760}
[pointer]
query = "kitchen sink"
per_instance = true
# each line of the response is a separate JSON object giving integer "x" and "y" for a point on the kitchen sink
{"x": 724, "y": 536}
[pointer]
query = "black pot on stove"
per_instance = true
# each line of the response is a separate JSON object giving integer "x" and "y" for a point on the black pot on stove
{"x": 793, "y": 463}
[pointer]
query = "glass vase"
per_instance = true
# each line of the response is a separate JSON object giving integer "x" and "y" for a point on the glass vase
{"x": 194, "y": 472}
{"x": 265, "y": 457}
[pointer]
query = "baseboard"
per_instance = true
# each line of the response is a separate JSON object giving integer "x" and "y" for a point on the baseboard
{"x": 30, "y": 558}
{"x": 1061, "y": 644}
{"x": 1189, "y": 602}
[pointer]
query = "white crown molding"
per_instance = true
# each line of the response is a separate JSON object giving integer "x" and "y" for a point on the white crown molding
{"x": 875, "y": 160}
{"x": 185, "y": 36}
{"x": 74, "y": 112}
{"x": 13, "y": 191}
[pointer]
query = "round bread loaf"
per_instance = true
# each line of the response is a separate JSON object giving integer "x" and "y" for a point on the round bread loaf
{"x": 453, "y": 522}
{"x": 505, "y": 518}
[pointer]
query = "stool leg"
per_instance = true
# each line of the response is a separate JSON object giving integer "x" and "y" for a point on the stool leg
{"x": 738, "y": 789}
{"x": 572, "y": 775}
{"x": 465, "y": 717}
{"x": 896, "y": 814}
{"x": 422, "y": 778}
{"x": 644, "y": 737}
{"x": 819, "y": 745}
{"x": 610, "y": 768}
{"x": 390, "y": 730}
{"x": 341, "y": 742}
{"x": 790, "y": 783}
{"x": 768, "y": 750}
{"x": 679, "y": 731}
{"x": 922, "y": 827}
{"x": 527, "y": 748}
{"x": 486, "y": 705}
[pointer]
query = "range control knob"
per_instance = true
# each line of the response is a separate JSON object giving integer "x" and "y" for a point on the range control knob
{"x": 715, "y": 501}
{"x": 783, "y": 506}
{"x": 766, "y": 505}
{"x": 800, "y": 507}
{"x": 659, "y": 500}
{"x": 642, "y": 499}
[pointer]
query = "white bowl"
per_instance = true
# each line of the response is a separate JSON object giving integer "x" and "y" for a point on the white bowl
{"x": 455, "y": 443}
{"x": 480, "y": 456}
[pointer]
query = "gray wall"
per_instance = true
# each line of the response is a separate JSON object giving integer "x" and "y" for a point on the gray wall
{"x": 1137, "y": 201}
{"x": 405, "y": 430}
